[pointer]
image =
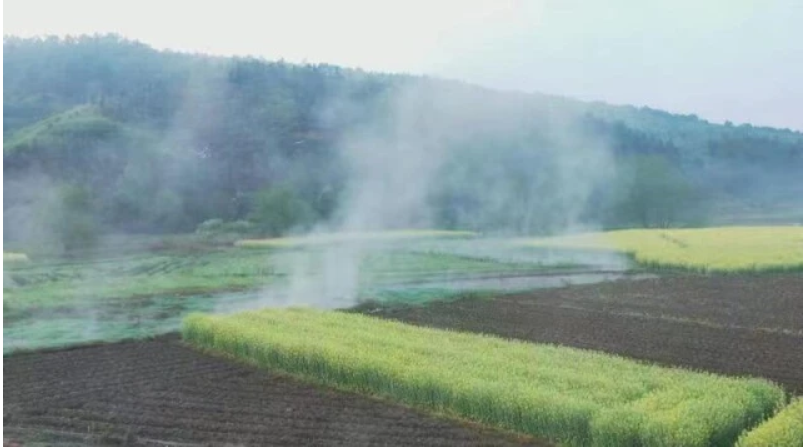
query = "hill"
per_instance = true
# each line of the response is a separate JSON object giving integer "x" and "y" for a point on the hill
{"x": 162, "y": 141}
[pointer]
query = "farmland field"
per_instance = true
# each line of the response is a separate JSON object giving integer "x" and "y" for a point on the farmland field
{"x": 705, "y": 323}
{"x": 271, "y": 248}
{"x": 54, "y": 302}
{"x": 159, "y": 392}
{"x": 727, "y": 249}
{"x": 584, "y": 398}
{"x": 742, "y": 325}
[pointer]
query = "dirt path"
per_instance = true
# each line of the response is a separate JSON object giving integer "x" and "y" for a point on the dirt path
{"x": 160, "y": 392}
{"x": 730, "y": 325}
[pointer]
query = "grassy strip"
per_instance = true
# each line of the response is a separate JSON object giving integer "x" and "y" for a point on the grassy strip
{"x": 785, "y": 429}
{"x": 329, "y": 238}
{"x": 724, "y": 249}
{"x": 572, "y": 396}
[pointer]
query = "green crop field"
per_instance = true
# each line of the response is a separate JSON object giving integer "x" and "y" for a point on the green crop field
{"x": 74, "y": 283}
{"x": 59, "y": 284}
{"x": 136, "y": 292}
{"x": 54, "y": 302}
{"x": 572, "y": 396}
{"x": 725, "y": 249}
{"x": 11, "y": 257}
{"x": 785, "y": 429}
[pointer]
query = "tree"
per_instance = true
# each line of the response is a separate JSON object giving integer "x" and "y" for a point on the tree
{"x": 66, "y": 221}
{"x": 653, "y": 194}
{"x": 278, "y": 210}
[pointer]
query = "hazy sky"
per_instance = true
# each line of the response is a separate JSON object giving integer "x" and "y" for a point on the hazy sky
{"x": 739, "y": 60}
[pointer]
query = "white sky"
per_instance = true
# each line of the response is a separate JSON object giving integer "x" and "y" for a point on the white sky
{"x": 739, "y": 60}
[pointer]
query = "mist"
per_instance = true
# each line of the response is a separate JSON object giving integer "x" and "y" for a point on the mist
{"x": 430, "y": 144}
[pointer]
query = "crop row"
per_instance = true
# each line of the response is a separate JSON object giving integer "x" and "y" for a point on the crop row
{"x": 724, "y": 249}
{"x": 572, "y": 396}
{"x": 785, "y": 429}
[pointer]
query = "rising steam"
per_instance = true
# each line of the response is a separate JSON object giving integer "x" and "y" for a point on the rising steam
{"x": 399, "y": 159}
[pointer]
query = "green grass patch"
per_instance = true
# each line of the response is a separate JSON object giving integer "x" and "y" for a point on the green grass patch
{"x": 572, "y": 396}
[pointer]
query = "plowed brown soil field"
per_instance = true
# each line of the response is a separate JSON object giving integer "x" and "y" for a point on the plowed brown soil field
{"x": 160, "y": 392}
{"x": 734, "y": 325}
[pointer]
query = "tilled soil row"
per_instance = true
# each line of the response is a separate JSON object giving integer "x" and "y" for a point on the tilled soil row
{"x": 743, "y": 326}
{"x": 160, "y": 391}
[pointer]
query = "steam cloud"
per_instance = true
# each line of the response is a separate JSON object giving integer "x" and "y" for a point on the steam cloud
{"x": 397, "y": 161}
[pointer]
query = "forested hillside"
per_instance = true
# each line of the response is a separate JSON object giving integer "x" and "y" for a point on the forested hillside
{"x": 102, "y": 134}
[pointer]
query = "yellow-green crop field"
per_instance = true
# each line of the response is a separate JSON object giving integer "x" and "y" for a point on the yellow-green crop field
{"x": 785, "y": 429}
{"x": 724, "y": 249}
{"x": 575, "y": 397}
{"x": 12, "y": 257}
{"x": 329, "y": 238}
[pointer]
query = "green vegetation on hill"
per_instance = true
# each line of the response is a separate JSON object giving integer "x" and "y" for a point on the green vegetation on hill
{"x": 162, "y": 142}
{"x": 80, "y": 122}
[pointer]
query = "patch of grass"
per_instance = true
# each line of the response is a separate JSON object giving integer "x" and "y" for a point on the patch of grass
{"x": 576, "y": 397}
